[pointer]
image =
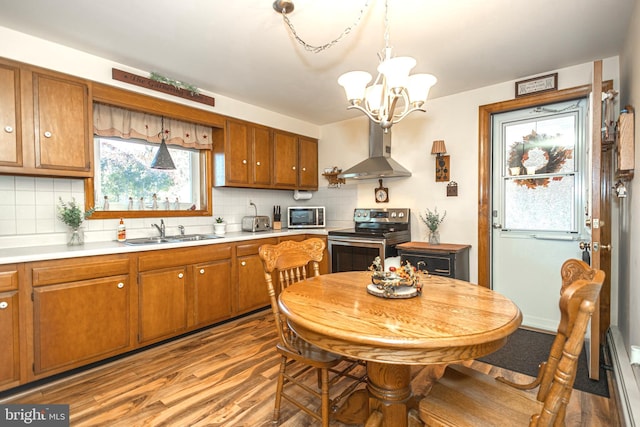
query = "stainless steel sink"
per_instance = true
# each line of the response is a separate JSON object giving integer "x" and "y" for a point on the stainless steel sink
{"x": 171, "y": 239}
{"x": 193, "y": 237}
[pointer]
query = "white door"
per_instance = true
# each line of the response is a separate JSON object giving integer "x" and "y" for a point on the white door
{"x": 539, "y": 193}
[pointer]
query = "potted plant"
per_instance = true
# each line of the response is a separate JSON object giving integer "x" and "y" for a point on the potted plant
{"x": 71, "y": 214}
{"x": 433, "y": 220}
{"x": 220, "y": 227}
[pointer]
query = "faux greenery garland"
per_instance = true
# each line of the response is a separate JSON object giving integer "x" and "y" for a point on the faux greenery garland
{"x": 175, "y": 83}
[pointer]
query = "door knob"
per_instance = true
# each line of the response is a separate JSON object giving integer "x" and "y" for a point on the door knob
{"x": 497, "y": 226}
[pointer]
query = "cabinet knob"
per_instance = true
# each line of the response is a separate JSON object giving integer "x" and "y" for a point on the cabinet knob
{"x": 244, "y": 162}
{"x": 243, "y": 263}
{"x": 293, "y": 167}
{"x": 258, "y": 163}
{"x": 47, "y": 134}
{"x": 202, "y": 271}
{"x": 8, "y": 129}
{"x": 180, "y": 276}
{"x": 3, "y": 305}
{"x": 120, "y": 285}
{"x": 304, "y": 169}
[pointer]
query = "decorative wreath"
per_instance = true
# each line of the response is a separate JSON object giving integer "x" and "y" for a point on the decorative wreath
{"x": 539, "y": 154}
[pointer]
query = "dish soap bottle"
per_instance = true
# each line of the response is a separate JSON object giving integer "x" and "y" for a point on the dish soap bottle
{"x": 122, "y": 231}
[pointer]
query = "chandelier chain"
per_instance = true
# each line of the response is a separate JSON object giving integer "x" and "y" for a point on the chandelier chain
{"x": 317, "y": 49}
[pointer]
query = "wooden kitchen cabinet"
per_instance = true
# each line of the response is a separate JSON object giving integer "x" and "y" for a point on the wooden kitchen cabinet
{"x": 251, "y": 292}
{"x": 295, "y": 161}
{"x": 9, "y": 328}
{"x": 182, "y": 289}
{"x": 51, "y": 130}
{"x": 81, "y": 311}
{"x": 245, "y": 159}
{"x": 445, "y": 259}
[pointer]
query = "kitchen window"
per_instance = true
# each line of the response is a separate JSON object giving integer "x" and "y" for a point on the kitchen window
{"x": 124, "y": 185}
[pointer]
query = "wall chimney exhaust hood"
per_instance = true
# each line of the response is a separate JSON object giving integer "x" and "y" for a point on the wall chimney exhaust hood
{"x": 379, "y": 164}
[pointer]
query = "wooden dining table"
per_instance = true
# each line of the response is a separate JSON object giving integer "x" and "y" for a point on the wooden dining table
{"x": 452, "y": 321}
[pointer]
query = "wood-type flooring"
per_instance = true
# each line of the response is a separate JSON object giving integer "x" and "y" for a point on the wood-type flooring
{"x": 222, "y": 376}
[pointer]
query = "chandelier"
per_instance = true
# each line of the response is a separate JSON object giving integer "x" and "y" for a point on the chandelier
{"x": 394, "y": 94}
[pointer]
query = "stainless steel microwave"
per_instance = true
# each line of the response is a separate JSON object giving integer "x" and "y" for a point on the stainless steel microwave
{"x": 305, "y": 217}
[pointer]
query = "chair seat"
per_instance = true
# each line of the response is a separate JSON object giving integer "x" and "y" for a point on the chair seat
{"x": 310, "y": 354}
{"x": 465, "y": 397}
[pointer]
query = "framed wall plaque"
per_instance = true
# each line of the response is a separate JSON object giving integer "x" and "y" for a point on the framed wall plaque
{"x": 537, "y": 85}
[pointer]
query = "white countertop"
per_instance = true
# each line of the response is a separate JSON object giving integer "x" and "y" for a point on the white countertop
{"x": 43, "y": 253}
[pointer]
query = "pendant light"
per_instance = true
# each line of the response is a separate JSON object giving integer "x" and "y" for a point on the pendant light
{"x": 163, "y": 159}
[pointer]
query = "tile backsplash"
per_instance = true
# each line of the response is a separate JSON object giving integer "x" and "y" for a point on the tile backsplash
{"x": 28, "y": 210}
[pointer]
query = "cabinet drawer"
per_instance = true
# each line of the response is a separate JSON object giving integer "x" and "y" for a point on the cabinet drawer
{"x": 65, "y": 271}
{"x": 156, "y": 260}
{"x": 435, "y": 264}
{"x": 251, "y": 248}
{"x": 8, "y": 280}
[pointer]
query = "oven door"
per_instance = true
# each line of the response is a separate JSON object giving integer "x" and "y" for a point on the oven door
{"x": 352, "y": 253}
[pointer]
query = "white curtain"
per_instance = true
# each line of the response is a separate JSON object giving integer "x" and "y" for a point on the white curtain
{"x": 109, "y": 120}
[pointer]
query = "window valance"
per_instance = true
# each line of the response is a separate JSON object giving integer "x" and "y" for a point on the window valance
{"x": 109, "y": 120}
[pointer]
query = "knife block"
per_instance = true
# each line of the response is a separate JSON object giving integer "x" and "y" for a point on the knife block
{"x": 277, "y": 225}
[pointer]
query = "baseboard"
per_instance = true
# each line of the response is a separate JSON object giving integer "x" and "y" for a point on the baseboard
{"x": 627, "y": 387}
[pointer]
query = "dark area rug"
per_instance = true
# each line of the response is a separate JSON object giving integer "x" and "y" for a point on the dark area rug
{"x": 524, "y": 351}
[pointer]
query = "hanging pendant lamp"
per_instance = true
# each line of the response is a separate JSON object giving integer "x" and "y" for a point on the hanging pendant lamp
{"x": 163, "y": 159}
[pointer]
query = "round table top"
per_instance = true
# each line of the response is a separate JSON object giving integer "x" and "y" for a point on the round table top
{"x": 451, "y": 321}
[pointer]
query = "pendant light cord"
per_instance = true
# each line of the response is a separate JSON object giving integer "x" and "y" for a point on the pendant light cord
{"x": 317, "y": 49}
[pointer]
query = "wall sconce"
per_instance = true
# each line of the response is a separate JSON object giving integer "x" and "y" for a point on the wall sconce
{"x": 442, "y": 162}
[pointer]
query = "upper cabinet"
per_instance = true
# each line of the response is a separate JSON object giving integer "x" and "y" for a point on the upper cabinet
{"x": 45, "y": 122}
{"x": 255, "y": 156}
{"x": 295, "y": 161}
{"x": 245, "y": 158}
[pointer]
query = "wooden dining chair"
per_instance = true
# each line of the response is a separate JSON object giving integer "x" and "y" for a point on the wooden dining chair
{"x": 465, "y": 397}
{"x": 291, "y": 262}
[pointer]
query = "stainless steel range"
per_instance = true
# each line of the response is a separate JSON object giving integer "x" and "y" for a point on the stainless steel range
{"x": 376, "y": 232}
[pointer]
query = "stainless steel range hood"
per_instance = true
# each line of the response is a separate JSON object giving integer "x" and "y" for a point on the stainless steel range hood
{"x": 379, "y": 164}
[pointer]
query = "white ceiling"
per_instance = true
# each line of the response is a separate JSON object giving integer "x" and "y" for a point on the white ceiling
{"x": 243, "y": 50}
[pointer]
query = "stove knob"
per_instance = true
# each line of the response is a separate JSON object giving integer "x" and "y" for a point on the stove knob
{"x": 393, "y": 214}
{"x": 400, "y": 214}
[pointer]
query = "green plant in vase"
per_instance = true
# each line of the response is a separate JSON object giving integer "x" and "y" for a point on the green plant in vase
{"x": 433, "y": 220}
{"x": 220, "y": 227}
{"x": 71, "y": 214}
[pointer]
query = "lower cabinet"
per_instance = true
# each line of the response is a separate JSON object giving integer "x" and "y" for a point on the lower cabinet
{"x": 252, "y": 288}
{"x": 182, "y": 289}
{"x": 9, "y": 328}
{"x": 81, "y": 311}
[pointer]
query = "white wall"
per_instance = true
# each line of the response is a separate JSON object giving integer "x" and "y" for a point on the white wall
{"x": 629, "y": 260}
{"x": 455, "y": 120}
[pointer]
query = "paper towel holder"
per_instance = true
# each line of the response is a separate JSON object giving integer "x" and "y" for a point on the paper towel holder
{"x": 302, "y": 195}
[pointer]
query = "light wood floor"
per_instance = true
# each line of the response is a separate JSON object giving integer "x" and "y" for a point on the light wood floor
{"x": 224, "y": 376}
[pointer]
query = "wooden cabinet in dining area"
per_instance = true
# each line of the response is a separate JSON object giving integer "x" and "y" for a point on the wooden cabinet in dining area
{"x": 81, "y": 311}
{"x": 182, "y": 289}
{"x": 251, "y": 292}
{"x": 9, "y": 327}
{"x": 245, "y": 159}
{"x": 46, "y": 122}
{"x": 445, "y": 259}
{"x": 295, "y": 161}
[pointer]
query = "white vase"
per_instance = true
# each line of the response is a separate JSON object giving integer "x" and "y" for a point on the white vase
{"x": 220, "y": 228}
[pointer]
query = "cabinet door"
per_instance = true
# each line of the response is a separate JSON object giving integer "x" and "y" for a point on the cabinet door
{"x": 212, "y": 292}
{"x": 10, "y": 128}
{"x": 79, "y": 322}
{"x": 308, "y": 164}
{"x": 252, "y": 288}
{"x": 285, "y": 162}
{"x": 262, "y": 151}
{"x": 9, "y": 336}
{"x": 61, "y": 123}
{"x": 237, "y": 153}
{"x": 162, "y": 304}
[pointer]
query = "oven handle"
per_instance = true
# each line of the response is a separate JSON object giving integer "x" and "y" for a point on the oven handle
{"x": 354, "y": 240}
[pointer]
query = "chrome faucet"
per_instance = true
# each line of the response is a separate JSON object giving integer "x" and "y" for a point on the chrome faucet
{"x": 181, "y": 228}
{"x": 160, "y": 228}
